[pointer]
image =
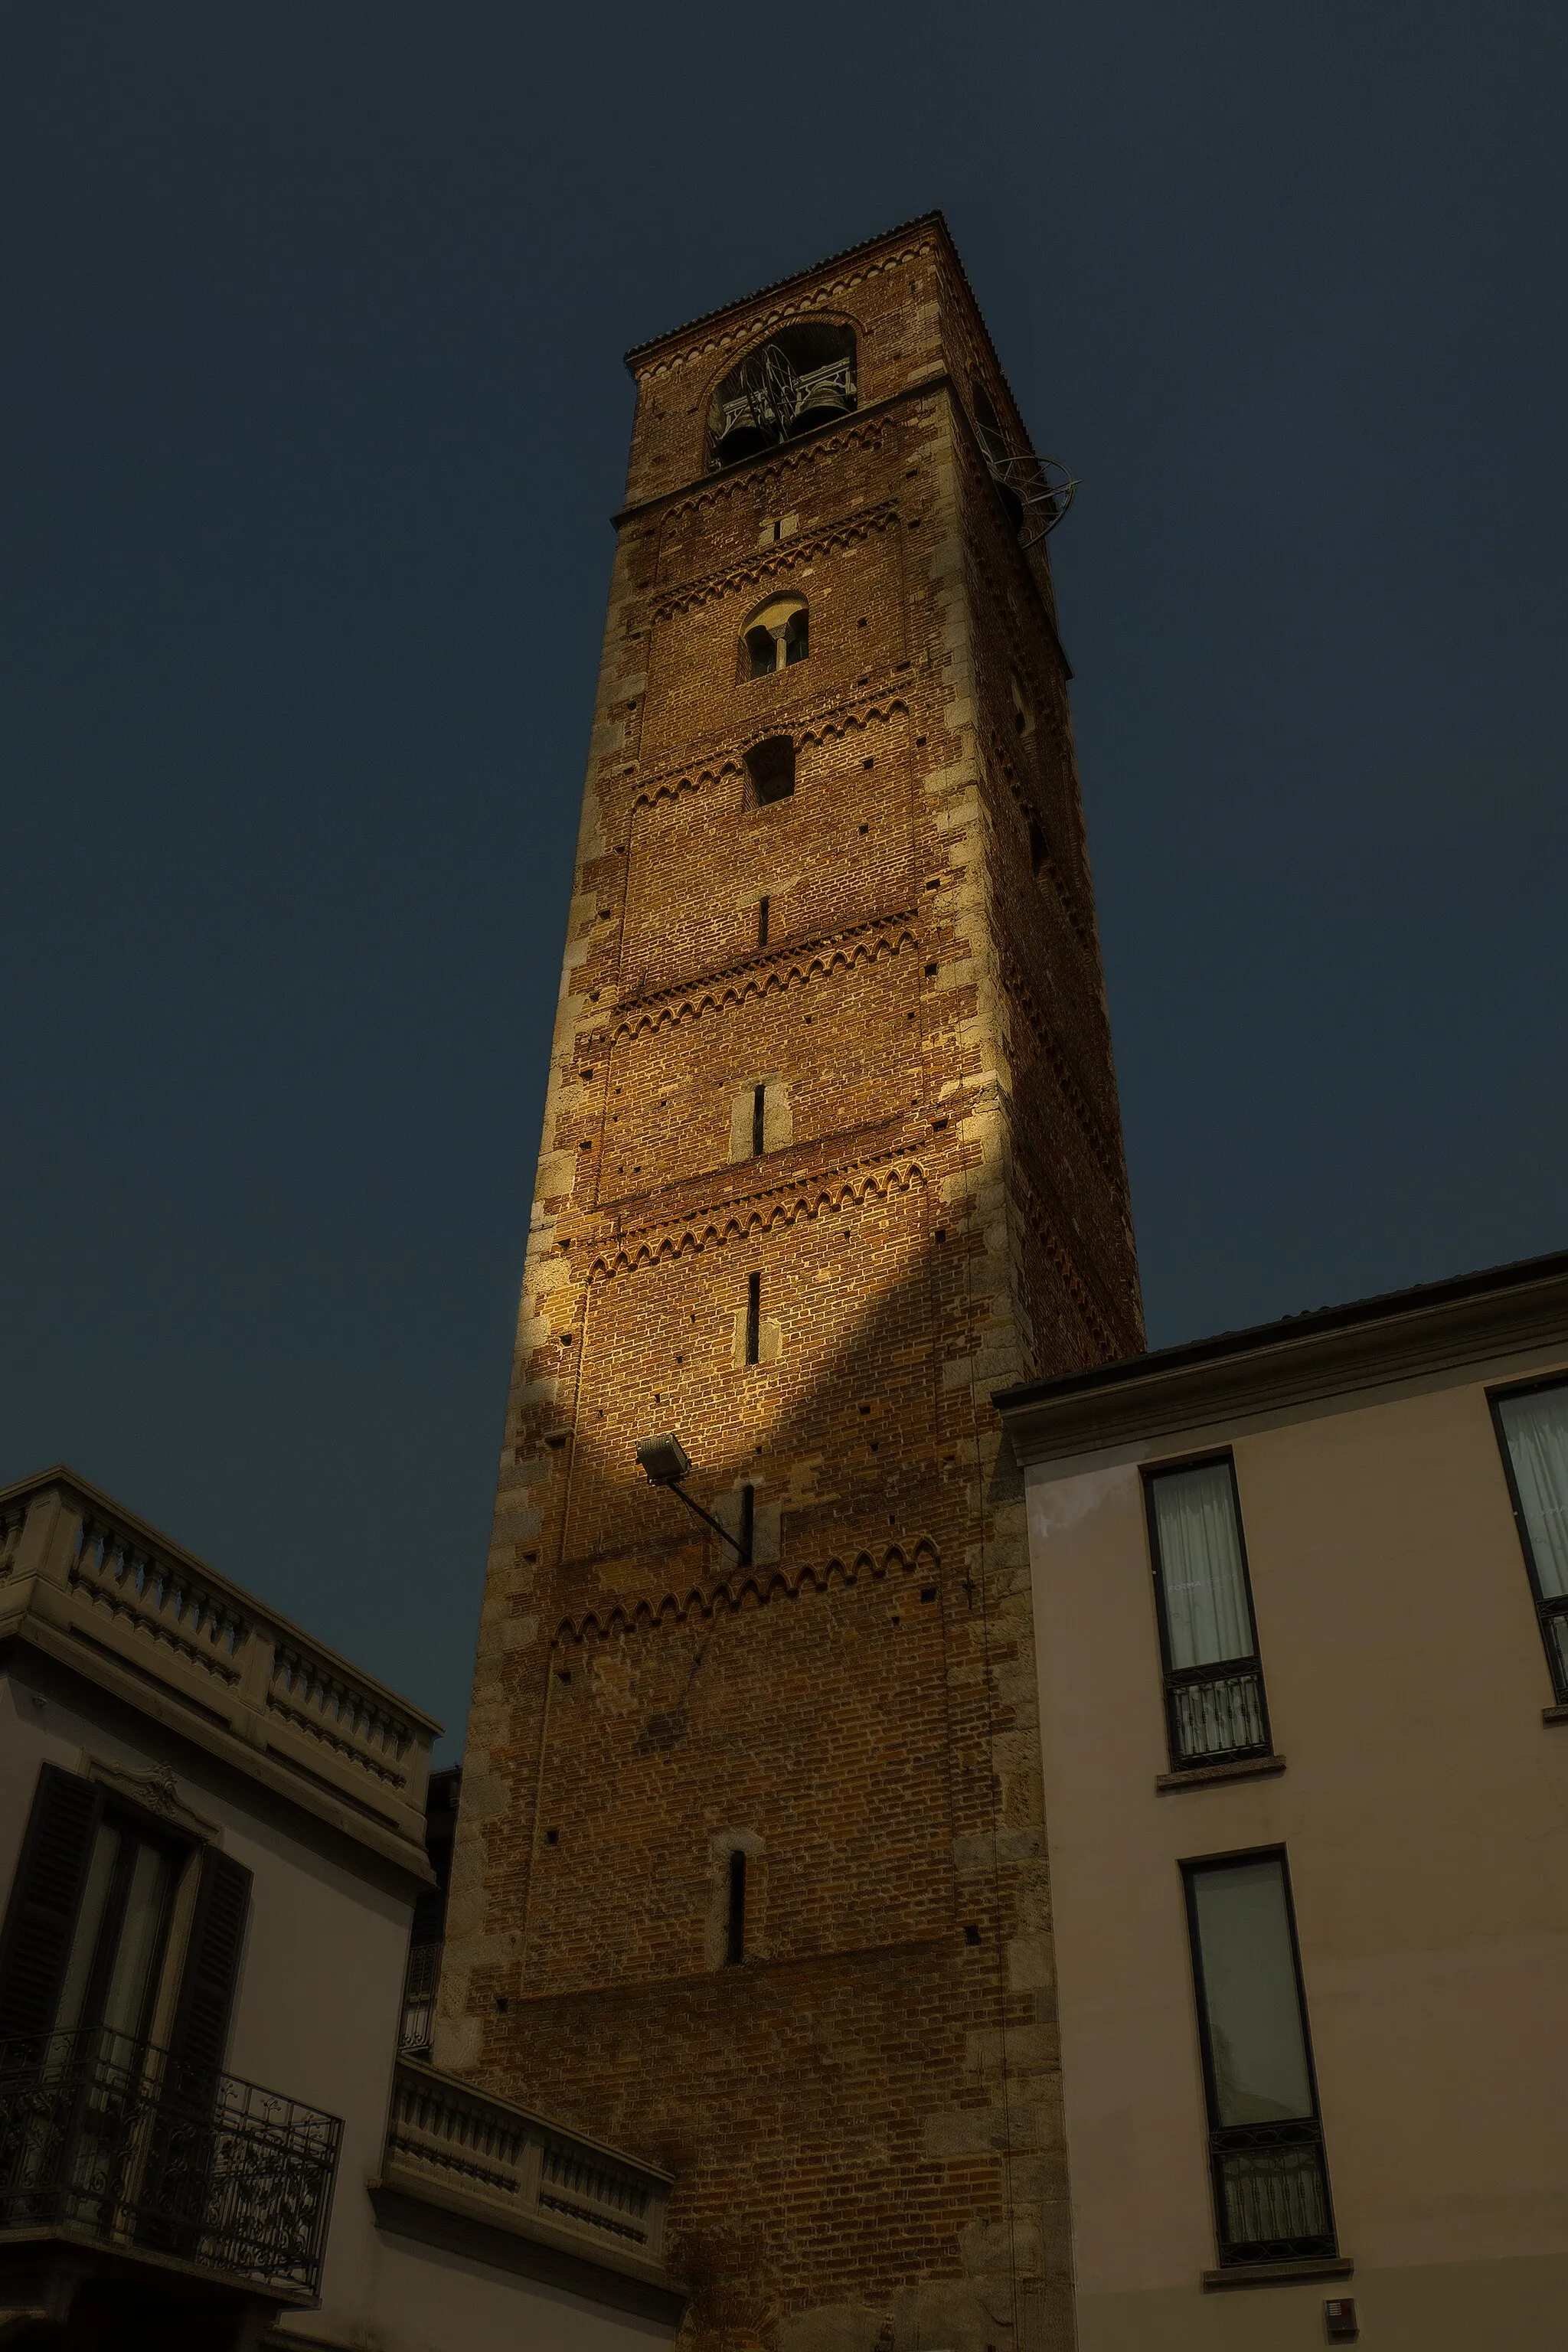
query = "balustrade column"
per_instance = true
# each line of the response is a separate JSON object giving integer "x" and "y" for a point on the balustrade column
{"x": 45, "y": 1550}
{"x": 256, "y": 1660}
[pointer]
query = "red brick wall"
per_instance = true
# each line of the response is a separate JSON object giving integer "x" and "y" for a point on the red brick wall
{"x": 864, "y": 2114}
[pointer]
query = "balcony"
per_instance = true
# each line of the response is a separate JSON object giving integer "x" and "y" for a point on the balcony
{"x": 1271, "y": 2194}
{"x": 106, "y": 2144}
{"x": 476, "y": 2173}
{"x": 1216, "y": 1714}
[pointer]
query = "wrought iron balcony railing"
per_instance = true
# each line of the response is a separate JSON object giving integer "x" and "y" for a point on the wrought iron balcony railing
{"x": 1554, "y": 1625}
{"x": 110, "y": 2140}
{"x": 420, "y": 1987}
{"x": 1272, "y": 2193}
{"x": 1216, "y": 1714}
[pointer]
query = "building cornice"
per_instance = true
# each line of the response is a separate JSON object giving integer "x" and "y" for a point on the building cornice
{"x": 706, "y": 321}
{"x": 784, "y": 453}
{"x": 1370, "y": 1343}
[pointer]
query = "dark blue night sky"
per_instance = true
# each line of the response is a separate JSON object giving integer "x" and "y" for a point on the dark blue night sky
{"x": 313, "y": 330}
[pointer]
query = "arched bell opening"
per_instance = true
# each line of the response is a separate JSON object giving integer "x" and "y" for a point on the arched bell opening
{"x": 801, "y": 377}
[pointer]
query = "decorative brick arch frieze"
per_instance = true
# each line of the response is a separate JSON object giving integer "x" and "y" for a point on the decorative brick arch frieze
{"x": 748, "y": 1588}
{"x": 807, "y": 305}
{"x": 775, "y": 1208}
{"x": 767, "y": 972}
{"x": 757, "y": 473}
{"x": 787, "y": 556}
{"x": 1097, "y": 1137}
{"x": 817, "y": 722}
{"x": 1094, "y": 1312}
{"x": 1069, "y": 895}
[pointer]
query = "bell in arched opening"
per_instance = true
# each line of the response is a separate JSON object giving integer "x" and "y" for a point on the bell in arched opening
{"x": 801, "y": 377}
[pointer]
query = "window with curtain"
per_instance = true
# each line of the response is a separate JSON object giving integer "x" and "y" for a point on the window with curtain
{"x": 1533, "y": 1426}
{"x": 117, "y": 1953}
{"x": 1213, "y": 1683}
{"x": 1270, "y": 2184}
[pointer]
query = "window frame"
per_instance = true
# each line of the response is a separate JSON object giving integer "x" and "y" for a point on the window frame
{"x": 1225, "y": 2140}
{"x": 1174, "y": 1678}
{"x": 1545, "y": 1609}
{"x": 132, "y": 1826}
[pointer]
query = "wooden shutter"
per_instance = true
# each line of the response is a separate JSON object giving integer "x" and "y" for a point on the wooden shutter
{"x": 46, "y": 1895}
{"x": 199, "y": 2035}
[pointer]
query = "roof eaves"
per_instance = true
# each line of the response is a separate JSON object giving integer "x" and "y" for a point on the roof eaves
{"x": 795, "y": 277}
{"x": 1453, "y": 1290}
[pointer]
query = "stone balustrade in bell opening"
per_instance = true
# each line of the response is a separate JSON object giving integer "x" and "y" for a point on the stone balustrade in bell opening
{"x": 513, "y": 2169}
{"x": 82, "y": 1576}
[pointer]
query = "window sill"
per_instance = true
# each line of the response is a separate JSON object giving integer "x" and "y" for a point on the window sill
{"x": 1248, "y": 1768}
{"x": 1554, "y": 1715}
{"x": 1325, "y": 2266}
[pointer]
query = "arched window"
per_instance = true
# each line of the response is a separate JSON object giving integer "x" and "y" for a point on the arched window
{"x": 803, "y": 377}
{"x": 776, "y": 637}
{"x": 771, "y": 767}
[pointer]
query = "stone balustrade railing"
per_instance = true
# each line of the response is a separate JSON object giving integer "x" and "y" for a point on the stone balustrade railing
{"x": 450, "y": 2143}
{"x": 83, "y": 1578}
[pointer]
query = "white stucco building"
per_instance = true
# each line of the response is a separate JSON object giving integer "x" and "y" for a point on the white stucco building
{"x": 212, "y": 1840}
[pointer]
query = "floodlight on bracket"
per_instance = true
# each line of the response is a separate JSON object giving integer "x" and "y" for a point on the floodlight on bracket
{"x": 667, "y": 1462}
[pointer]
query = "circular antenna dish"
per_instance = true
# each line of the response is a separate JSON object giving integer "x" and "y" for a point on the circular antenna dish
{"x": 771, "y": 389}
{"x": 1036, "y": 491}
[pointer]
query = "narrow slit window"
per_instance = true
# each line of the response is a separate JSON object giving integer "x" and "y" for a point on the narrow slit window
{"x": 1533, "y": 1425}
{"x": 748, "y": 1523}
{"x": 758, "y": 1121}
{"x": 754, "y": 1317}
{"x": 1215, "y": 1705}
{"x": 736, "y": 1940}
{"x": 1266, "y": 2144}
{"x": 763, "y": 922}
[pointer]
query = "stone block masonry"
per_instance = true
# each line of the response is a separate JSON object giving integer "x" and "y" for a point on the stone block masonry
{"x": 751, "y": 1870}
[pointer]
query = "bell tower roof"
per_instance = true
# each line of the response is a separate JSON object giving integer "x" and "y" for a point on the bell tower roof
{"x": 933, "y": 223}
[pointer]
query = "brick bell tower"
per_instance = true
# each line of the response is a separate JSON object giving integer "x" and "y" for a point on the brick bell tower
{"x": 750, "y": 1871}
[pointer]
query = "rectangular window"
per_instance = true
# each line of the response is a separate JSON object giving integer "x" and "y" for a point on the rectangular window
{"x": 758, "y": 1121}
{"x": 1532, "y": 1426}
{"x": 1265, "y": 2141}
{"x": 117, "y": 1953}
{"x": 754, "y": 1317}
{"x": 762, "y": 922}
{"x": 1215, "y": 1706}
